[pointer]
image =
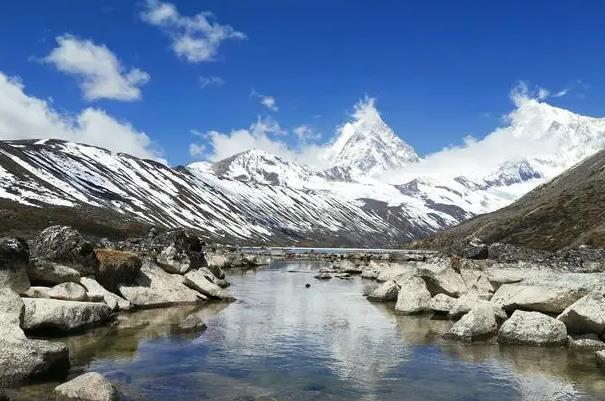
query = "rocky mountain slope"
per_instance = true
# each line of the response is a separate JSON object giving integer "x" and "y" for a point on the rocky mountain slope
{"x": 258, "y": 198}
{"x": 567, "y": 212}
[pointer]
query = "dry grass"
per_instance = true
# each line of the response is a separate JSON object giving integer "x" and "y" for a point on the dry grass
{"x": 112, "y": 257}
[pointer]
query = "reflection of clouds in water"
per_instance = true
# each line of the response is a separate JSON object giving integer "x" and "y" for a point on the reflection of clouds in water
{"x": 329, "y": 323}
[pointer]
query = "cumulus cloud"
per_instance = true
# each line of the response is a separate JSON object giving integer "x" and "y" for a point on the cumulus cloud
{"x": 26, "y": 117}
{"x": 99, "y": 72}
{"x": 211, "y": 81}
{"x": 195, "y": 39}
{"x": 305, "y": 133}
{"x": 267, "y": 101}
{"x": 525, "y": 134}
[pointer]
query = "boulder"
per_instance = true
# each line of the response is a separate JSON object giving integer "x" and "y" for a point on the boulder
{"x": 442, "y": 304}
{"x": 479, "y": 323}
{"x": 347, "y": 266}
{"x": 385, "y": 292}
{"x": 446, "y": 281}
{"x": 475, "y": 249}
{"x": 45, "y": 272}
{"x": 539, "y": 298}
{"x": 586, "y": 315}
{"x": 370, "y": 273}
{"x": 65, "y": 245}
{"x": 97, "y": 293}
{"x": 477, "y": 280}
{"x": 413, "y": 297}
{"x": 155, "y": 287}
{"x": 90, "y": 386}
{"x": 216, "y": 260}
{"x": 470, "y": 300}
{"x": 179, "y": 251}
{"x": 56, "y": 316}
{"x": 117, "y": 268}
{"x": 192, "y": 323}
{"x": 14, "y": 259}
{"x": 11, "y": 309}
{"x": 22, "y": 359}
{"x": 68, "y": 292}
{"x": 323, "y": 276}
{"x": 533, "y": 328}
{"x": 585, "y": 342}
{"x": 196, "y": 280}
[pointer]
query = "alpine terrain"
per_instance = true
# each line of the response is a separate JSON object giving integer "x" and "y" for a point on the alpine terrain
{"x": 258, "y": 198}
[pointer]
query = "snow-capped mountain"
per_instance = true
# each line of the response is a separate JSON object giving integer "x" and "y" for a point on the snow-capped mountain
{"x": 264, "y": 168}
{"x": 367, "y": 146}
{"x": 258, "y": 198}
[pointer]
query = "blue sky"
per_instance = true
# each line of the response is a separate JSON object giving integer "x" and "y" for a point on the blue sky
{"x": 439, "y": 70}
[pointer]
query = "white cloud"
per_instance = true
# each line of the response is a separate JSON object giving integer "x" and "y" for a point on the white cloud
{"x": 196, "y": 149}
{"x": 211, "y": 81}
{"x": 195, "y": 39}
{"x": 305, "y": 133}
{"x": 267, "y": 101}
{"x": 100, "y": 73}
{"x": 27, "y": 117}
{"x": 264, "y": 134}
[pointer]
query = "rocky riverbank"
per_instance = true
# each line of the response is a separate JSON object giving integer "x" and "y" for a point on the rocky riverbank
{"x": 60, "y": 283}
{"x": 520, "y": 302}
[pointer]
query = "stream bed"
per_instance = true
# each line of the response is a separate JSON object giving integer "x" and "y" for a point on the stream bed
{"x": 284, "y": 341}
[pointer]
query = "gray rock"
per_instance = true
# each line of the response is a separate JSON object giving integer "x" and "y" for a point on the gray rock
{"x": 413, "y": 297}
{"x": 477, "y": 280}
{"x": 68, "y": 292}
{"x": 87, "y": 387}
{"x": 196, "y": 280}
{"x": 22, "y": 359}
{"x": 532, "y": 328}
{"x": 216, "y": 260}
{"x": 14, "y": 259}
{"x": 586, "y": 342}
{"x": 65, "y": 245}
{"x": 50, "y": 273}
{"x": 97, "y": 293}
{"x": 369, "y": 273}
{"x": 586, "y": 315}
{"x": 323, "y": 276}
{"x": 385, "y": 292}
{"x": 155, "y": 287}
{"x": 192, "y": 323}
{"x": 347, "y": 266}
{"x": 479, "y": 323}
{"x": 53, "y": 315}
{"x": 117, "y": 268}
{"x": 446, "y": 281}
{"x": 539, "y": 298}
{"x": 442, "y": 304}
{"x": 470, "y": 300}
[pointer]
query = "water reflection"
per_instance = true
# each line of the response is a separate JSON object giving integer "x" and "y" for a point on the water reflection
{"x": 326, "y": 342}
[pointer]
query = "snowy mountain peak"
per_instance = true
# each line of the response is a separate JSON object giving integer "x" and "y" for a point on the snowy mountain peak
{"x": 264, "y": 168}
{"x": 367, "y": 146}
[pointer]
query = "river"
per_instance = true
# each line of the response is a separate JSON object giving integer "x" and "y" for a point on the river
{"x": 284, "y": 341}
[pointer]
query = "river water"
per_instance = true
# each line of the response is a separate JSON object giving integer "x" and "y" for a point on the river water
{"x": 284, "y": 341}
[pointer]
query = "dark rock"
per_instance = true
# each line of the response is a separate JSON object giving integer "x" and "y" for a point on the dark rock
{"x": 178, "y": 251}
{"x": 475, "y": 250}
{"x": 65, "y": 245}
{"x": 14, "y": 259}
{"x": 45, "y": 272}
